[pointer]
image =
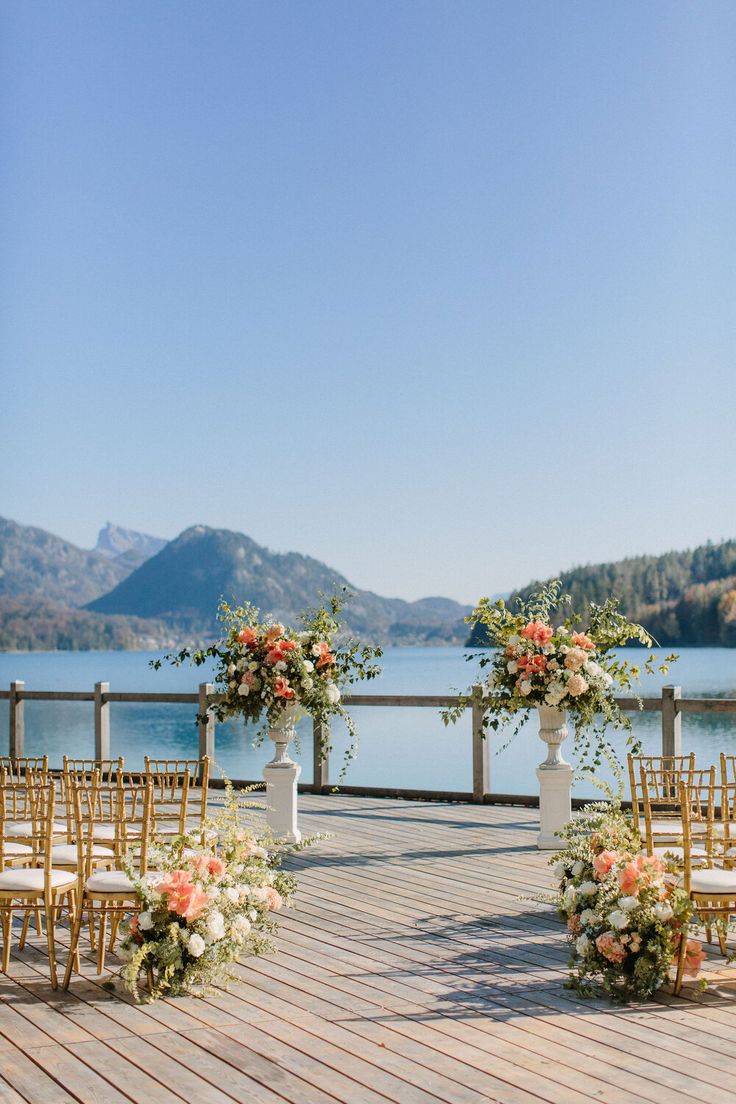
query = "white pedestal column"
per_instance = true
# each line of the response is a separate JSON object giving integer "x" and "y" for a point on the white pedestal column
{"x": 555, "y": 779}
{"x": 281, "y": 775}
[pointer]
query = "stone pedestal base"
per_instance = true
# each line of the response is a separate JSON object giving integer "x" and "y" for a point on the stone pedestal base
{"x": 281, "y": 800}
{"x": 555, "y": 808}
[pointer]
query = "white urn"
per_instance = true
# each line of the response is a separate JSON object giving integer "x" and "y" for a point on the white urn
{"x": 555, "y": 778}
{"x": 281, "y": 775}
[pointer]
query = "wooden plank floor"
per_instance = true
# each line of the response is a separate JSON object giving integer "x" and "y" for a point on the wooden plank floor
{"x": 416, "y": 968}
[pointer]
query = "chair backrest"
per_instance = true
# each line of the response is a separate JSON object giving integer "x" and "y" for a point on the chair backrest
{"x": 17, "y": 767}
{"x": 118, "y": 813}
{"x": 34, "y": 800}
{"x": 697, "y": 801}
{"x": 659, "y": 783}
{"x": 170, "y": 802}
{"x": 675, "y": 765}
{"x": 169, "y": 774}
{"x": 85, "y": 768}
{"x": 728, "y": 768}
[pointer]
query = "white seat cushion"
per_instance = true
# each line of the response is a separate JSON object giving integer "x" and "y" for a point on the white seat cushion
{"x": 65, "y": 854}
{"x": 107, "y": 831}
{"x": 115, "y": 881}
{"x": 14, "y": 850}
{"x": 679, "y": 852}
{"x": 714, "y": 881}
{"x": 30, "y": 880}
{"x": 24, "y": 828}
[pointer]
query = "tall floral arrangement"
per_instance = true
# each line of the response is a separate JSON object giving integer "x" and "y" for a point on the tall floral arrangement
{"x": 625, "y": 912}
{"x": 261, "y": 666}
{"x": 205, "y": 907}
{"x": 547, "y": 654}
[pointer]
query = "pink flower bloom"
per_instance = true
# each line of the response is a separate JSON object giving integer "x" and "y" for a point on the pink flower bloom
{"x": 274, "y": 633}
{"x": 200, "y": 864}
{"x": 639, "y": 872}
{"x": 532, "y": 664}
{"x": 325, "y": 660}
{"x": 603, "y": 862}
{"x": 248, "y": 679}
{"x": 573, "y": 924}
{"x": 248, "y": 637}
{"x": 610, "y": 948}
{"x": 575, "y": 659}
{"x": 190, "y": 902}
{"x": 274, "y": 900}
{"x": 582, "y": 640}
{"x": 174, "y": 881}
{"x": 288, "y": 645}
{"x": 537, "y": 632}
{"x": 282, "y": 689}
{"x": 275, "y": 655}
{"x": 216, "y": 867}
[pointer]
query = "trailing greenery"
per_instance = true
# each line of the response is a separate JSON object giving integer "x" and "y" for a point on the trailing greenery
{"x": 684, "y": 598}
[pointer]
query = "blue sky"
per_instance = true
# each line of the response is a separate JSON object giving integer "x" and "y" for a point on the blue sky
{"x": 440, "y": 293}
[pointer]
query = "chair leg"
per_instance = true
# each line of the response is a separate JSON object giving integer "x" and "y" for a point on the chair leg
{"x": 101, "y": 935}
{"x": 39, "y": 927}
{"x": 116, "y": 918}
{"x": 5, "y": 920}
{"x": 24, "y": 929}
{"x": 73, "y": 962}
{"x": 681, "y": 962}
{"x": 91, "y": 922}
{"x": 50, "y": 910}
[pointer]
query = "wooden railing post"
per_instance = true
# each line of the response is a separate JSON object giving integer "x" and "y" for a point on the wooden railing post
{"x": 17, "y": 727}
{"x": 207, "y": 727}
{"x": 481, "y": 772}
{"x": 321, "y": 766}
{"x": 671, "y": 721}
{"x": 102, "y": 721}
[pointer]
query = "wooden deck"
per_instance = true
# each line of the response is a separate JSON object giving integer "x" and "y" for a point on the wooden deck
{"x": 413, "y": 970}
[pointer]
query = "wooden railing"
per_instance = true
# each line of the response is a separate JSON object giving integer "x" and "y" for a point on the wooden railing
{"x": 671, "y": 705}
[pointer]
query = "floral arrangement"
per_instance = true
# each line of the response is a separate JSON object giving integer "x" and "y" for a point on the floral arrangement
{"x": 204, "y": 908}
{"x": 543, "y": 658}
{"x": 624, "y": 910}
{"x": 261, "y": 667}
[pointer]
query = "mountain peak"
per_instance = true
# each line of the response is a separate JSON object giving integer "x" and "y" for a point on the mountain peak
{"x": 115, "y": 540}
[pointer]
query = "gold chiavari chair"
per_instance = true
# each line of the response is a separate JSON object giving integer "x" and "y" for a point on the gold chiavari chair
{"x": 712, "y": 889}
{"x": 28, "y": 888}
{"x": 728, "y": 768}
{"x": 169, "y": 778}
{"x": 109, "y": 893}
{"x": 17, "y": 767}
{"x": 677, "y": 765}
{"x": 81, "y": 771}
{"x": 170, "y": 802}
{"x": 660, "y": 798}
{"x": 65, "y": 856}
{"x": 20, "y": 825}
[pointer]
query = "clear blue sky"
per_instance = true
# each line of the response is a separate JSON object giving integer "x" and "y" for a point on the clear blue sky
{"x": 441, "y": 293}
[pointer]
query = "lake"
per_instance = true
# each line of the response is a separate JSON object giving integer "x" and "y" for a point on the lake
{"x": 398, "y": 747}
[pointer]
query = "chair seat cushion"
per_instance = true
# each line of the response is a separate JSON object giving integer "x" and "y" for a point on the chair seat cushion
{"x": 115, "y": 881}
{"x": 696, "y": 852}
{"x": 107, "y": 832}
{"x": 24, "y": 828}
{"x": 14, "y": 850}
{"x": 715, "y": 881}
{"x": 31, "y": 880}
{"x": 65, "y": 854}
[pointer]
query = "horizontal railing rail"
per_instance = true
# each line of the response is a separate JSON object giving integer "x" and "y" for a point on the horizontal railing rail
{"x": 670, "y": 704}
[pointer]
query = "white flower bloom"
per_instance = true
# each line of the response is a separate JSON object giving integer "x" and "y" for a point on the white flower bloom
{"x": 259, "y": 852}
{"x": 215, "y": 926}
{"x": 588, "y": 889}
{"x": 663, "y": 911}
{"x": 588, "y": 918}
{"x": 145, "y": 921}
{"x": 253, "y": 914}
{"x": 307, "y": 683}
{"x": 333, "y": 693}
{"x": 592, "y": 668}
{"x": 308, "y": 665}
{"x": 618, "y": 919}
{"x": 559, "y": 870}
{"x": 570, "y": 897}
{"x": 242, "y": 924}
{"x": 232, "y": 894}
{"x": 525, "y": 687}
{"x": 628, "y": 903}
{"x": 279, "y": 665}
{"x": 196, "y": 945}
{"x": 582, "y": 945}
{"x": 241, "y": 664}
{"x": 512, "y": 666}
{"x": 553, "y": 665}
{"x": 514, "y": 639}
{"x": 253, "y": 666}
{"x": 561, "y": 630}
{"x": 564, "y": 649}
{"x": 244, "y": 689}
{"x": 231, "y": 668}
{"x": 578, "y": 868}
{"x": 258, "y": 893}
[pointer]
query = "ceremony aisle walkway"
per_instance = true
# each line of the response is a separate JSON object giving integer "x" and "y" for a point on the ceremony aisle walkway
{"x": 416, "y": 968}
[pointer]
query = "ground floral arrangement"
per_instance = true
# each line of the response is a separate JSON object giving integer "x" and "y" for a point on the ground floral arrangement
{"x": 261, "y": 666}
{"x": 625, "y": 912}
{"x": 547, "y": 654}
{"x": 205, "y": 907}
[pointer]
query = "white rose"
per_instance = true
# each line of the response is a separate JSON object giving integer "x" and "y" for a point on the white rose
{"x": 578, "y": 868}
{"x": 259, "y": 852}
{"x": 588, "y": 889}
{"x": 231, "y": 668}
{"x": 279, "y": 665}
{"x": 514, "y": 639}
{"x": 333, "y": 693}
{"x": 618, "y": 919}
{"x": 307, "y": 683}
{"x": 253, "y": 915}
{"x": 215, "y": 925}
{"x": 253, "y": 666}
{"x": 525, "y": 687}
{"x": 663, "y": 911}
{"x": 582, "y": 945}
{"x": 628, "y": 903}
{"x": 241, "y": 664}
{"x": 196, "y": 945}
{"x": 588, "y": 918}
{"x": 232, "y": 894}
{"x": 560, "y": 870}
{"x": 570, "y": 896}
{"x": 308, "y": 665}
{"x": 561, "y": 630}
{"x": 242, "y": 924}
{"x": 244, "y": 689}
{"x": 512, "y": 666}
{"x": 145, "y": 921}
{"x": 592, "y": 668}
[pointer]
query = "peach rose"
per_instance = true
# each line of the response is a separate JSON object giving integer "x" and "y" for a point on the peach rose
{"x": 174, "y": 881}
{"x": 603, "y": 862}
{"x": 576, "y": 685}
{"x": 248, "y": 637}
{"x": 215, "y": 866}
{"x": 287, "y": 645}
{"x": 694, "y": 958}
{"x": 573, "y": 924}
{"x": 582, "y": 640}
{"x": 538, "y": 632}
{"x": 532, "y": 664}
{"x": 274, "y": 900}
{"x": 610, "y": 947}
{"x": 200, "y": 864}
{"x": 282, "y": 689}
{"x": 275, "y": 655}
{"x": 575, "y": 659}
{"x": 190, "y": 902}
{"x": 273, "y": 633}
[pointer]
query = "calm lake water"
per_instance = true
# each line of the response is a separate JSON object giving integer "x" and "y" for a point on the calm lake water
{"x": 398, "y": 747}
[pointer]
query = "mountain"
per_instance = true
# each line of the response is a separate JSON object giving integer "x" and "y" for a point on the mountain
{"x": 681, "y": 598}
{"x": 182, "y": 584}
{"x": 34, "y": 563}
{"x": 32, "y": 625}
{"x": 115, "y": 541}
